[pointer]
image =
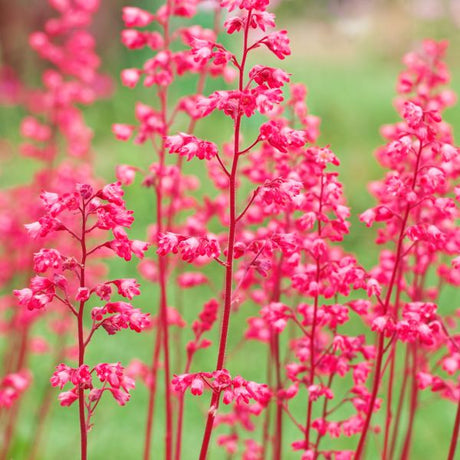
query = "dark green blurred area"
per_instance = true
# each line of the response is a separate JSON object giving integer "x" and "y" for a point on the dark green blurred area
{"x": 348, "y": 54}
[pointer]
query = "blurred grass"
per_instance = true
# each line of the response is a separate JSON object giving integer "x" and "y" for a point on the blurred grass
{"x": 351, "y": 78}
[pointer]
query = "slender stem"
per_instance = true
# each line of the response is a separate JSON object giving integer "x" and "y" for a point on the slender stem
{"x": 253, "y": 197}
{"x": 402, "y": 394}
{"x": 267, "y": 419}
{"x": 222, "y": 164}
{"x": 278, "y": 435}
{"x": 229, "y": 265}
{"x": 250, "y": 147}
{"x": 413, "y": 404}
{"x": 313, "y": 327}
{"x": 275, "y": 348}
{"x": 152, "y": 393}
{"x": 180, "y": 417}
{"x": 455, "y": 433}
{"x": 393, "y": 356}
{"x": 296, "y": 423}
{"x": 167, "y": 373}
{"x": 389, "y": 414}
{"x": 162, "y": 268}
{"x": 375, "y": 388}
{"x": 81, "y": 342}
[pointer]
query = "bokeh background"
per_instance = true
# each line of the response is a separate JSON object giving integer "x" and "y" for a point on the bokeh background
{"x": 348, "y": 53}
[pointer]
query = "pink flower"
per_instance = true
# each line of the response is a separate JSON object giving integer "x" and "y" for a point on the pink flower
{"x": 133, "y": 39}
{"x": 276, "y": 314}
{"x": 136, "y": 17}
{"x": 112, "y": 193}
{"x": 122, "y": 132}
{"x": 413, "y": 114}
{"x": 120, "y": 396}
{"x": 189, "y": 147}
{"x": 273, "y": 78}
{"x": 129, "y": 78}
{"x": 139, "y": 321}
{"x": 207, "y": 317}
{"x": 61, "y": 376}
{"x": 127, "y": 287}
{"x": 197, "y": 386}
{"x": 279, "y": 191}
{"x": 126, "y": 174}
{"x": 282, "y": 137}
{"x": 191, "y": 279}
{"x": 82, "y": 294}
{"x": 278, "y": 43}
{"x": 67, "y": 398}
{"x": 373, "y": 287}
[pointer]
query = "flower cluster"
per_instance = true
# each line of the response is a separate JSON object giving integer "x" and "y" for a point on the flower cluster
{"x": 112, "y": 376}
{"x": 190, "y": 248}
{"x": 234, "y": 389}
{"x": 66, "y": 284}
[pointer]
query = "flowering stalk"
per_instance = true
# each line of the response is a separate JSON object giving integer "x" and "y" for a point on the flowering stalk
{"x": 418, "y": 210}
{"x": 232, "y": 174}
{"x": 68, "y": 283}
{"x": 161, "y": 71}
{"x": 215, "y": 399}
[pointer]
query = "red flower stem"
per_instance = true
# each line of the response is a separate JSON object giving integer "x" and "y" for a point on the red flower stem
{"x": 152, "y": 393}
{"x": 180, "y": 417}
{"x": 455, "y": 434}
{"x": 162, "y": 268}
{"x": 393, "y": 356}
{"x": 229, "y": 260}
{"x": 289, "y": 414}
{"x": 389, "y": 415}
{"x": 312, "y": 368}
{"x": 400, "y": 406}
{"x": 253, "y": 197}
{"x": 81, "y": 341}
{"x": 167, "y": 374}
{"x": 413, "y": 404}
{"x": 278, "y": 433}
{"x": 178, "y": 338}
{"x": 267, "y": 419}
{"x": 313, "y": 327}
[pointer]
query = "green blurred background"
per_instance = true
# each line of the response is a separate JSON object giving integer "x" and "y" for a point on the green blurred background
{"x": 348, "y": 53}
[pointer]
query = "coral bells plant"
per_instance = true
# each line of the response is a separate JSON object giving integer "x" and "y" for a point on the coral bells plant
{"x": 261, "y": 322}
{"x": 417, "y": 202}
{"x": 62, "y": 279}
